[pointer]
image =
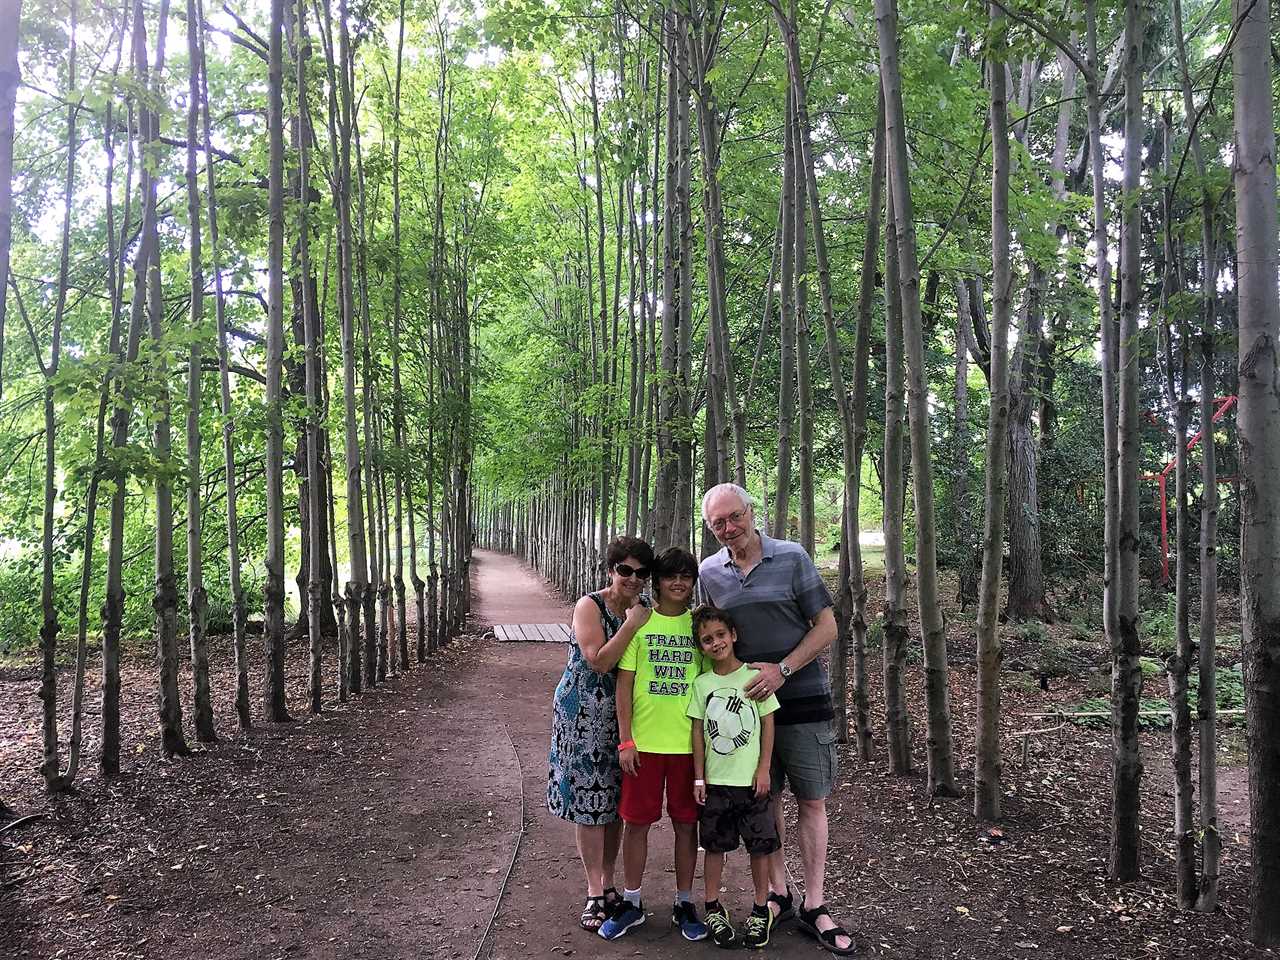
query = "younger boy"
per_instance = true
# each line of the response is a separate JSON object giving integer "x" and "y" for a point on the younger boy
{"x": 655, "y": 682}
{"x": 732, "y": 747}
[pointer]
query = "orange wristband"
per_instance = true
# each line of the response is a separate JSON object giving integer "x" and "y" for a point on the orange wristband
{"x": 626, "y": 745}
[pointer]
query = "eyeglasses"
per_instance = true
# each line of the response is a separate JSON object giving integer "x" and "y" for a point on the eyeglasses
{"x": 626, "y": 570}
{"x": 721, "y": 522}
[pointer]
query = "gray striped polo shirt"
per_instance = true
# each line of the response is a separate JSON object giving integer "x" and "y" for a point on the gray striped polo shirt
{"x": 773, "y": 606}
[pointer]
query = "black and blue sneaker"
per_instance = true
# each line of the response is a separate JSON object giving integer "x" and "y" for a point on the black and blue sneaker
{"x": 626, "y": 916}
{"x": 685, "y": 916}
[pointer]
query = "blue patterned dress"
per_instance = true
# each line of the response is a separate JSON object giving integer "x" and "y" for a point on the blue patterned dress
{"x": 584, "y": 780}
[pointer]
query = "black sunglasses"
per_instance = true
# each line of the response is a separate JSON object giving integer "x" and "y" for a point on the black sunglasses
{"x": 626, "y": 570}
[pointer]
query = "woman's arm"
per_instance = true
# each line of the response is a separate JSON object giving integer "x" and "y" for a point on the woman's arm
{"x": 589, "y": 632}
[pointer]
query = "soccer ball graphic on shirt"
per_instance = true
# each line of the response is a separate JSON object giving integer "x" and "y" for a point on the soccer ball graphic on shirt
{"x": 730, "y": 720}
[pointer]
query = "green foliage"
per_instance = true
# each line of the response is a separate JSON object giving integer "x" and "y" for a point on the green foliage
{"x": 1228, "y": 684}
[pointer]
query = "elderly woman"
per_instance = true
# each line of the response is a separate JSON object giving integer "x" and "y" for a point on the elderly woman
{"x": 584, "y": 782}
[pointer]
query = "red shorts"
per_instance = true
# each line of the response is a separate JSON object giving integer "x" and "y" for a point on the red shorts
{"x": 642, "y": 794}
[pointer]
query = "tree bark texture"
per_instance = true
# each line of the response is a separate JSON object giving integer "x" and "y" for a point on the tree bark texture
{"x": 1258, "y": 424}
{"x": 941, "y": 755}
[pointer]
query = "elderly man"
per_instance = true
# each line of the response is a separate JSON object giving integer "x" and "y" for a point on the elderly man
{"x": 784, "y": 617}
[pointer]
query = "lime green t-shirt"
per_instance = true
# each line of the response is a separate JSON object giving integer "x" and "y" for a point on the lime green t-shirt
{"x": 665, "y": 660}
{"x": 730, "y": 726}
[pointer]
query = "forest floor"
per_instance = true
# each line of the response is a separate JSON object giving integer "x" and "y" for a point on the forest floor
{"x": 386, "y": 827}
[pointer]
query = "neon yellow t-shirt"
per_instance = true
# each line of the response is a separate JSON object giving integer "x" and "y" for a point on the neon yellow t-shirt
{"x": 665, "y": 660}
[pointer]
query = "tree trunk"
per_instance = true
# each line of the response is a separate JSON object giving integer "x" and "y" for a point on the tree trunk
{"x": 1026, "y": 599}
{"x": 50, "y": 768}
{"x": 315, "y": 600}
{"x": 1126, "y": 673}
{"x": 961, "y": 501}
{"x": 987, "y": 767}
{"x": 1259, "y": 431}
{"x": 197, "y": 598}
{"x": 804, "y": 338}
{"x": 1207, "y": 706}
{"x": 228, "y": 421}
{"x": 786, "y": 333}
{"x": 402, "y": 636}
{"x": 897, "y": 621}
{"x": 941, "y": 757}
{"x": 359, "y": 578}
{"x": 273, "y": 615}
{"x": 10, "y": 77}
{"x": 115, "y": 270}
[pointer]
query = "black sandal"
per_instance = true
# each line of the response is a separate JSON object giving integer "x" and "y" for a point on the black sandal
{"x": 786, "y": 905}
{"x": 594, "y": 914}
{"x": 827, "y": 939}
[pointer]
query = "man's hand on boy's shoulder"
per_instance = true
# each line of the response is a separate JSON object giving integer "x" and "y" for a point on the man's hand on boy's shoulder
{"x": 767, "y": 680}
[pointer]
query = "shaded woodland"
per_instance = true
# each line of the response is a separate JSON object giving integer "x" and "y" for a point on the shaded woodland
{"x": 300, "y": 302}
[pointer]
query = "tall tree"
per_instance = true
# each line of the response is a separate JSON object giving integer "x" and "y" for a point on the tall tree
{"x": 897, "y": 628}
{"x": 986, "y": 775}
{"x": 1126, "y": 673}
{"x": 10, "y": 77}
{"x": 238, "y": 612}
{"x": 273, "y": 626}
{"x": 1258, "y": 424}
{"x": 938, "y": 700}
{"x": 197, "y": 597}
{"x": 49, "y": 627}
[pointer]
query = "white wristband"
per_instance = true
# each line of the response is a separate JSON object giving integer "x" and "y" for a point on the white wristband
{"x": 699, "y": 783}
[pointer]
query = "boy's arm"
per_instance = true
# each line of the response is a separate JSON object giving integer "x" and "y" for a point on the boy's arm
{"x": 624, "y": 697}
{"x": 699, "y": 763}
{"x": 766, "y": 755}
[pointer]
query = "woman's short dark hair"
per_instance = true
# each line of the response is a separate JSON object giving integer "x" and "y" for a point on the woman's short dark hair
{"x": 622, "y": 547}
{"x": 672, "y": 561}
{"x": 707, "y": 614}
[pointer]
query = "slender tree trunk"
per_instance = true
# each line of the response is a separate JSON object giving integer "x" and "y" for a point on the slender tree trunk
{"x": 897, "y": 623}
{"x": 10, "y": 77}
{"x": 1126, "y": 674}
{"x": 402, "y": 636}
{"x": 1258, "y": 423}
{"x": 273, "y": 625}
{"x": 787, "y": 332}
{"x": 1207, "y": 705}
{"x": 315, "y": 598}
{"x": 115, "y": 268}
{"x": 804, "y": 338}
{"x": 961, "y": 501}
{"x": 987, "y": 767}
{"x": 197, "y": 598}
{"x": 1026, "y": 596}
{"x": 359, "y": 578}
{"x": 1177, "y": 377}
{"x": 50, "y": 768}
{"x": 941, "y": 757}
{"x": 238, "y": 611}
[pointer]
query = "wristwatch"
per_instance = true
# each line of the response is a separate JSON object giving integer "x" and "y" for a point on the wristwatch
{"x": 784, "y": 669}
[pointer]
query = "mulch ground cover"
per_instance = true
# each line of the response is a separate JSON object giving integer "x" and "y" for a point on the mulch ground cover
{"x": 182, "y": 858}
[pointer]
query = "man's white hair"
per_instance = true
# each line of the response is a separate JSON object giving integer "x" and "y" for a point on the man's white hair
{"x": 741, "y": 494}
